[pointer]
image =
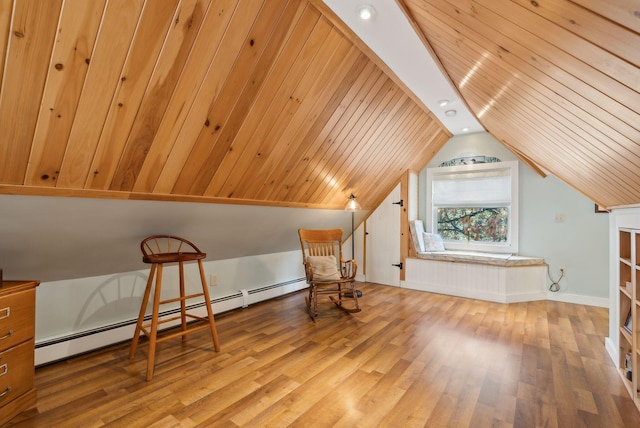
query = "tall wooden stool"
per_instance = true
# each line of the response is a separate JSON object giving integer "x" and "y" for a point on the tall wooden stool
{"x": 158, "y": 250}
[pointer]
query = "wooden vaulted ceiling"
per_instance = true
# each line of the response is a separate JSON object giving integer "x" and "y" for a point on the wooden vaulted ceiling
{"x": 277, "y": 103}
{"x": 253, "y": 101}
{"x": 556, "y": 81}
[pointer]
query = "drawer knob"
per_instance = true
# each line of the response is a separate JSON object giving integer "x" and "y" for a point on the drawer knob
{"x": 8, "y": 335}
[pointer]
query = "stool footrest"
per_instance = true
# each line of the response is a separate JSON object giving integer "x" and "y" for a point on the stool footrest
{"x": 182, "y": 333}
{"x": 144, "y": 327}
{"x": 177, "y": 299}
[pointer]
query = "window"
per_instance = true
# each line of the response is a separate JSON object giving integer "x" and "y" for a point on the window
{"x": 475, "y": 207}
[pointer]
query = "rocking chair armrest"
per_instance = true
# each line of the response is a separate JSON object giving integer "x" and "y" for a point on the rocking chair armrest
{"x": 308, "y": 271}
{"x": 348, "y": 268}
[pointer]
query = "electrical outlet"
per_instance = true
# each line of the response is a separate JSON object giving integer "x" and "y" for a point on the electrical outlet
{"x": 213, "y": 280}
{"x": 559, "y": 218}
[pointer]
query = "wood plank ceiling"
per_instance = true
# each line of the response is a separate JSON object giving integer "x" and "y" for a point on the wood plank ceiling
{"x": 275, "y": 102}
{"x": 247, "y": 101}
{"x": 557, "y": 81}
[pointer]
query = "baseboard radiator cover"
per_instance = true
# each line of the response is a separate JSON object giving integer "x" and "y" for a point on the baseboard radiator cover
{"x": 477, "y": 281}
{"x": 54, "y": 349}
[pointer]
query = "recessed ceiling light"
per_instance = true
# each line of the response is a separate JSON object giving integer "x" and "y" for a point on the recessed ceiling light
{"x": 366, "y": 12}
{"x": 465, "y": 129}
{"x": 450, "y": 113}
{"x": 443, "y": 103}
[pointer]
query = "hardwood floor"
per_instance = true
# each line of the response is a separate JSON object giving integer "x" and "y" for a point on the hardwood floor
{"x": 408, "y": 359}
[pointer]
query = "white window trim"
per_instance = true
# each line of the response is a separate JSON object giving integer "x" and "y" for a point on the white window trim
{"x": 512, "y": 245}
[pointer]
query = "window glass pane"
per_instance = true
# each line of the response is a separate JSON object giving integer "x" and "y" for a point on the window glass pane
{"x": 473, "y": 224}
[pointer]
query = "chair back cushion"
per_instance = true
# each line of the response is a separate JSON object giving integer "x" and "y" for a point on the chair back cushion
{"x": 325, "y": 268}
{"x": 425, "y": 242}
{"x": 416, "y": 228}
{"x": 432, "y": 242}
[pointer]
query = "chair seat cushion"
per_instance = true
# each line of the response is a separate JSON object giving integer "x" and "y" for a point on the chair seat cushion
{"x": 325, "y": 268}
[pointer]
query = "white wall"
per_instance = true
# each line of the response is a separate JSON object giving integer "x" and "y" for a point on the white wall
{"x": 579, "y": 243}
{"x": 106, "y": 306}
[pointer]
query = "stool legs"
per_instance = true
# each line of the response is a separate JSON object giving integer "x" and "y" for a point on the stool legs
{"x": 143, "y": 307}
{"x": 212, "y": 323}
{"x": 151, "y": 358}
{"x": 152, "y": 333}
{"x": 183, "y": 304}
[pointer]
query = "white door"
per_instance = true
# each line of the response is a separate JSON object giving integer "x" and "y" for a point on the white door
{"x": 383, "y": 242}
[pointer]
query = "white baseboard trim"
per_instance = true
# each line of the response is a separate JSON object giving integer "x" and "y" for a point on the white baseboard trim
{"x": 53, "y": 349}
{"x": 578, "y": 299}
{"x": 509, "y": 298}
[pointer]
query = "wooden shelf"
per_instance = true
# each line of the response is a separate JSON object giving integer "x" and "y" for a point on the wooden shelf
{"x": 627, "y": 383}
{"x": 629, "y": 309}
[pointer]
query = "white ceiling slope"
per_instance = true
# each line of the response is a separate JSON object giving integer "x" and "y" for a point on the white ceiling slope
{"x": 390, "y": 35}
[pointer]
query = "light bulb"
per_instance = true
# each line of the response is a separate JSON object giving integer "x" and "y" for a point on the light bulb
{"x": 366, "y": 12}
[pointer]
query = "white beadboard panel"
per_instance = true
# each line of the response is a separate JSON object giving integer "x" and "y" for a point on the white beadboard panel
{"x": 477, "y": 281}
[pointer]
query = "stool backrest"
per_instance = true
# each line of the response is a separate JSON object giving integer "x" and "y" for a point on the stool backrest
{"x": 167, "y": 244}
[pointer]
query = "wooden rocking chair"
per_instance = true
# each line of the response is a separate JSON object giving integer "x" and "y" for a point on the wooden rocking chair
{"x": 326, "y": 271}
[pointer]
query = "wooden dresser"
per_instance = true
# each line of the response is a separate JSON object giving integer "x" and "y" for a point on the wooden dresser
{"x": 17, "y": 344}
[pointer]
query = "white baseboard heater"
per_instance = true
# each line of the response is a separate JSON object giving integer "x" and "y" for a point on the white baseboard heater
{"x": 59, "y": 348}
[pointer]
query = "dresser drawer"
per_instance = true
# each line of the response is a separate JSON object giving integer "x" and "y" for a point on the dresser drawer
{"x": 16, "y": 371}
{"x": 17, "y": 315}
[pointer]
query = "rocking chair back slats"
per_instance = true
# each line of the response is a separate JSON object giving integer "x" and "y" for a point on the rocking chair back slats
{"x": 321, "y": 249}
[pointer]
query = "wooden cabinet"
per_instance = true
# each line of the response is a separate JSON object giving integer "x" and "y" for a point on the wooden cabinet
{"x": 17, "y": 332}
{"x": 629, "y": 309}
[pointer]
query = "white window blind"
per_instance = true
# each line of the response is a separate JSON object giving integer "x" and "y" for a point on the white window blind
{"x": 471, "y": 189}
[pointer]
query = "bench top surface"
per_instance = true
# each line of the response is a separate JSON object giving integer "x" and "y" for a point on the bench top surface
{"x": 481, "y": 258}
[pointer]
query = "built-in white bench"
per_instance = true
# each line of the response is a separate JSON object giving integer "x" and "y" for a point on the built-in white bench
{"x": 502, "y": 278}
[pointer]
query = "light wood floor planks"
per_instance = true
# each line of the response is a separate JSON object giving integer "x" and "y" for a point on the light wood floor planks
{"x": 409, "y": 359}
